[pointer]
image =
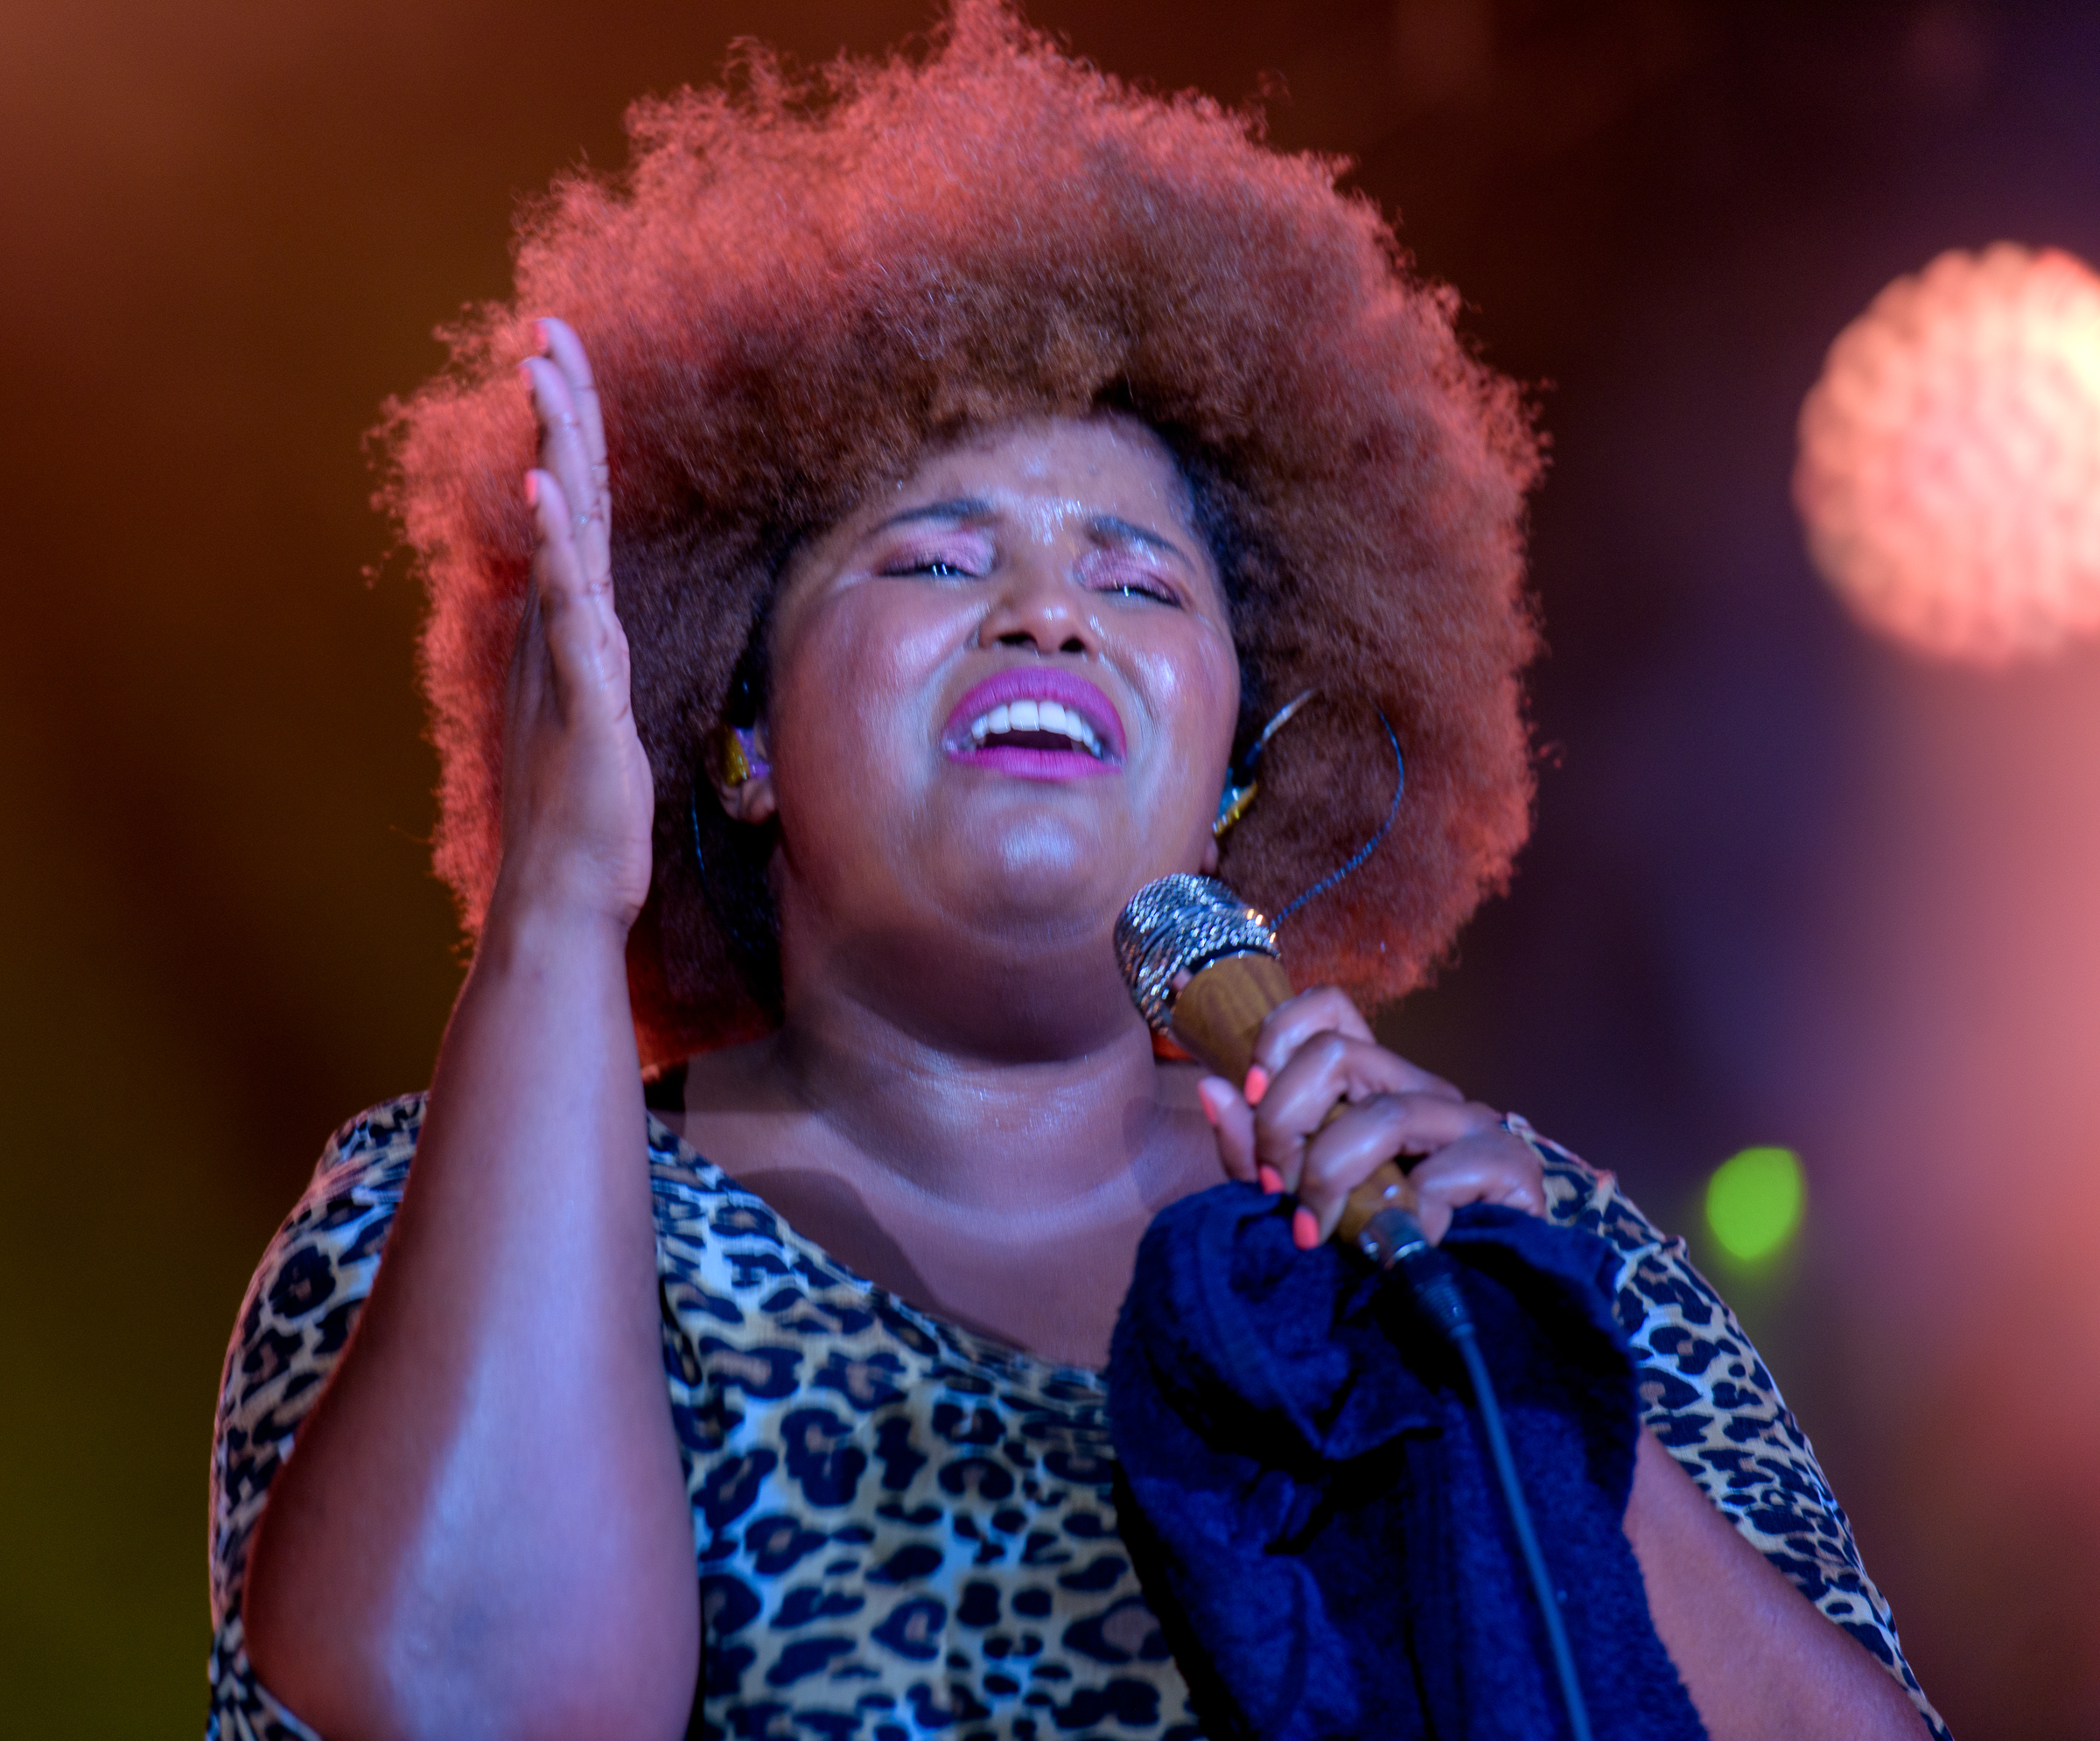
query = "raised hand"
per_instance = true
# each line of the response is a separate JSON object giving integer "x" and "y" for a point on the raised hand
{"x": 493, "y": 1458}
{"x": 577, "y": 795}
{"x": 1316, "y": 1053}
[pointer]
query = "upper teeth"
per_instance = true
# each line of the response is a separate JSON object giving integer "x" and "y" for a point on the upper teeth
{"x": 1036, "y": 716}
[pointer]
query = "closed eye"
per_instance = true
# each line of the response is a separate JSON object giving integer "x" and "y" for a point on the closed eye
{"x": 947, "y": 553}
{"x": 950, "y": 564}
{"x": 1139, "y": 588}
{"x": 1121, "y": 574}
{"x": 934, "y": 568}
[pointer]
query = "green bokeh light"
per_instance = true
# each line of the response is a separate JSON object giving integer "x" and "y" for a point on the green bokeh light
{"x": 1753, "y": 1202}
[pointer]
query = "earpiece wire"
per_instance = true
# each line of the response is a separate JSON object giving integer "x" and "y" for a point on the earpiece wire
{"x": 1356, "y": 860}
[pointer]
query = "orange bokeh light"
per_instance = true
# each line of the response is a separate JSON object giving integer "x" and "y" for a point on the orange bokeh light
{"x": 1949, "y": 467}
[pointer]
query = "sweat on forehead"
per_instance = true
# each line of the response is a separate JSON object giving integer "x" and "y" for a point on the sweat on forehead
{"x": 1060, "y": 472}
{"x": 799, "y": 289}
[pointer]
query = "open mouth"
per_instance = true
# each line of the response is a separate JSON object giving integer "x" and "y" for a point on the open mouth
{"x": 1034, "y": 725}
{"x": 1046, "y": 724}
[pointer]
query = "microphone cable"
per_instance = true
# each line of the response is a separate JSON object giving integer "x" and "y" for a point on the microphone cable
{"x": 1399, "y": 1243}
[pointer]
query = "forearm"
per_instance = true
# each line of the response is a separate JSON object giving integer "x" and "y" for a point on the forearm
{"x": 1760, "y": 1663}
{"x": 484, "y": 1527}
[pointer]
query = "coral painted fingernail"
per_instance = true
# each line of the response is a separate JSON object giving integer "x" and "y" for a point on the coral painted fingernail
{"x": 1272, "y": 1181}
{"x": 1258, "y": 1085}
{"x": 1304, "y": 1229}
{"x": 532, "y": 489}
{"x": 1209, "y": 1111}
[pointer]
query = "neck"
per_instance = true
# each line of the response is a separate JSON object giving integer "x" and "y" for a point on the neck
{"x": 993, "y": 1158}
{"x": 1051, "y": 1119}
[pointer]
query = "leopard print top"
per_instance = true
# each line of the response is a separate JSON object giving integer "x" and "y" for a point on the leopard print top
{"x": 901, "y": 1528}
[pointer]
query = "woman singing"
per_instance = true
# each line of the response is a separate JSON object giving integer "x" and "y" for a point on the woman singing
{"x": 942, "y": 476}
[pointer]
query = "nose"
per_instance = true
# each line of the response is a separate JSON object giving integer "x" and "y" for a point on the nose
{"x": 1037, "y": 604}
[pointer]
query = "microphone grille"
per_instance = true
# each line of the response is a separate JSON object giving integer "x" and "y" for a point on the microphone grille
{"x": 1181, "y": 924}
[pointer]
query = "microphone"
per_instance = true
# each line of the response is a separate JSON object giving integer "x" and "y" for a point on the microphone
{"x": 1203, "y": 966}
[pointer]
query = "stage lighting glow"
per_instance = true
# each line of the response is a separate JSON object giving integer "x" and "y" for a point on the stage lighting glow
{"x": 1948, "y": 474}
{"x": 1753, "y": 1202}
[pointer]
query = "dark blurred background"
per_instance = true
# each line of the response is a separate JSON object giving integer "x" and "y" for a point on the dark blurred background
{"x": 1789, "y": 886}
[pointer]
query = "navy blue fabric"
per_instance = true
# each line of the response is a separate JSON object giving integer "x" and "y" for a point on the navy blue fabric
{"x": 1310, "y": 1502}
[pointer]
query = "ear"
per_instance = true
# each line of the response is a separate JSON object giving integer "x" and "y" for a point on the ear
{"x": 751, "y": 799}
{"x": 1210, "y": 856}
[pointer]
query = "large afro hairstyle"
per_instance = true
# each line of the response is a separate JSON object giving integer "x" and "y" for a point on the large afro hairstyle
{"x": 802, "y": 285}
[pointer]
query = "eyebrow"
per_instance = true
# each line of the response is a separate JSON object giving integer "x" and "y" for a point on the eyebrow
{"x": 1137, "y": 534}
{"x": 958, "y": 507}
{"x": 976, "y": 507}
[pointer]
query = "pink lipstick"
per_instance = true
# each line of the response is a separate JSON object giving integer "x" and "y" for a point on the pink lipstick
{"x": 1036, "y": 724}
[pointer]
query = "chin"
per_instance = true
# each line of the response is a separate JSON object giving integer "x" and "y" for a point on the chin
{"x": 1046, "y": 873}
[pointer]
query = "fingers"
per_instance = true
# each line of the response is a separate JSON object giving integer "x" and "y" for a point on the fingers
{"x": 1324, "y": 1010}
{"x": 1340, "y": 1156}
{"x": 1287, "y": 1028}
{"x": 1232, "y": 1120}
{"x": 1484, "y": 1166}
{"x": 1491, "y": 1166}
{"x": 1332, "y": 1067}
{"x": 573, "y": 444}
{"x": 566, "y": 350}
{"x": 586, "y": 647}
{"x": 563, "y": 457}
{"x": 578, "y": 793}
{"x": 1326, "y": 1107}
{"x": 573, "y": 608}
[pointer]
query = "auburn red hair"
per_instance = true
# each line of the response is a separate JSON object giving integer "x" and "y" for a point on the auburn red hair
{"x": 798, "y": 289}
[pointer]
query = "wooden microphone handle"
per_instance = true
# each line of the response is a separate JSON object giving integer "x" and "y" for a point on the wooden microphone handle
{"x": 1217, "y": 1016}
